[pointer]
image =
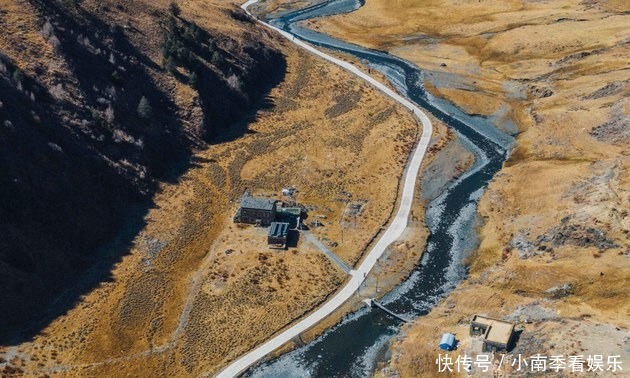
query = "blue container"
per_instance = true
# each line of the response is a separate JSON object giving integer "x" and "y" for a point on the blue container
{"x": 447, "y": 342}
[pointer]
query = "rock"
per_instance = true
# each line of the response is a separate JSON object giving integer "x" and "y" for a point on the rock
{"x": 614, "y": 131}
{"x": 560, "y": 291}
{"x": 539, "y": 92}
{"x": 533, "y": 312}
{"x": 565, "y": 234}
{"x": 575, "y": 56}
{"x": 608, "y": 90}
{"x": 524, "y": 248}
{"x": 578, "y": 235}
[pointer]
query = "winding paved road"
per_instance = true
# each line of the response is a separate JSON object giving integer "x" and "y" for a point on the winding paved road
{"x": 391, "y": 234}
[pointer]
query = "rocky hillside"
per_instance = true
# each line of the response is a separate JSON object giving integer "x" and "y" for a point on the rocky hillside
{"x": 100, "y": 101}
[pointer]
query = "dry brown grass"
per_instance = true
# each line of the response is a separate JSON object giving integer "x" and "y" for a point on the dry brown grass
{"x": 326, "y": 138}
{"x": 560, "y": 70}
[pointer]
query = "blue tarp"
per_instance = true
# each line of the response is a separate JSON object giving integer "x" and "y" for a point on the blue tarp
{"x": 447, "y": 342}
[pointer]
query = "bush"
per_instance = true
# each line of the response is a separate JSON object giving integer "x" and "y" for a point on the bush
{"x": 109, "y": 114}
{"x": 174, "y": 9}
{"x": 192, "y": 33}
{"x": 55, "y": 43}
{"x": 234, "y": 82}
{"x": 47, "y": 30}
{"x": 193, "y": 80}
{"x": 145, "y": 111}
{"x": 171, "y": 25}
{"x": 57, "y": 91}
{"x": 169, "y": 64}
{"x": 17, "y": 76}
{"x": 116, "y": 77}
{"x": 216, "y": 58}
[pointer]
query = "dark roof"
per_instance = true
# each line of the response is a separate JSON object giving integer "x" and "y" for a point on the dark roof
{"x": 278, "y": 229}
{"x": 259, "y": 203}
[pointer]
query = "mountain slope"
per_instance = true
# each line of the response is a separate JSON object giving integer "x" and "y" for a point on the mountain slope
{"x": 100, "y": 101}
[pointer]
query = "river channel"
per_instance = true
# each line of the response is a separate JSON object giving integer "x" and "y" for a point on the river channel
{"x": 361, "y": 340}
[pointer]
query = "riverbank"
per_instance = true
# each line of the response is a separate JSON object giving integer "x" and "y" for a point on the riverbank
{"x": 563, "y": 86}
{"x": 345, "y": 342}
{"x": 196, "y": 290}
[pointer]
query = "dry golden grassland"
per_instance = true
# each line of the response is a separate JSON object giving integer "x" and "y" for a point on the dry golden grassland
{"x": 559, "y": 71}
{"x": 181, "y": 302}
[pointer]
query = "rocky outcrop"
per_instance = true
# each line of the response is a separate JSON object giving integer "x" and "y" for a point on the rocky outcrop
{"x": 565, "y": 234}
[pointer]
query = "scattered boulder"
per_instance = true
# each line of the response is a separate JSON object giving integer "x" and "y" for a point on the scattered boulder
{"x": 607, "y": 90}
{"x": 539, "y": 92}
{"x": 617, "y": 130}
{"x": 532, "y": 312}
{"x": 565, "y": 234}
{"x": 524, "y": 247}
{"x": 575, "y": 56}
{"x": 560, "y": 291}
{"x": 579, "y": 235}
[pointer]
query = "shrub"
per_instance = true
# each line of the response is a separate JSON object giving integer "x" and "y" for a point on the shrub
{"x": 174, "y": 9}
{"x": 111, "y": 92}
{"x": 116, "y": 77}
{"x": 96, "y": 116}
{"x": 145, "y": 111}
{"x": 109, "y": 114}
{"x": 193, "y": 80}
{"x": 216, "y": 58}
{"x": 17, "y": 76}
{"x": 171, "y": 25}
{"x": 234, "y": 82}
{"x": 192, "y": 33}
{"x": 47, "y": 30}
{"x": 169, "y": 64}
{"x": 54, "y": 42}
{"x": 83, "y": 41}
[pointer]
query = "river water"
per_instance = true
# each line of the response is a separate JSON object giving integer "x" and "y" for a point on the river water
{"x": 354, "y": 346}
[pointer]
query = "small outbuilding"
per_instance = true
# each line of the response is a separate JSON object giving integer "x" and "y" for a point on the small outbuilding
{"x": 497, "y": 334}
{"x": 447, "y": 342}
{"x": 277, "y": 237}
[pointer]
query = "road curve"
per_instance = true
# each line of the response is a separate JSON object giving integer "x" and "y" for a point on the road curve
{"x": 391, "y": 234}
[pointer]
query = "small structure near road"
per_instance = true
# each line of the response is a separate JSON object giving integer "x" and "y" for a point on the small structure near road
{"x": 256, "y": 210}
{"x": 448, "y": 342}
{"x": 288, "y": 192}
{"x": 277, "y": 237}
{"x": 497, "y": 334}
